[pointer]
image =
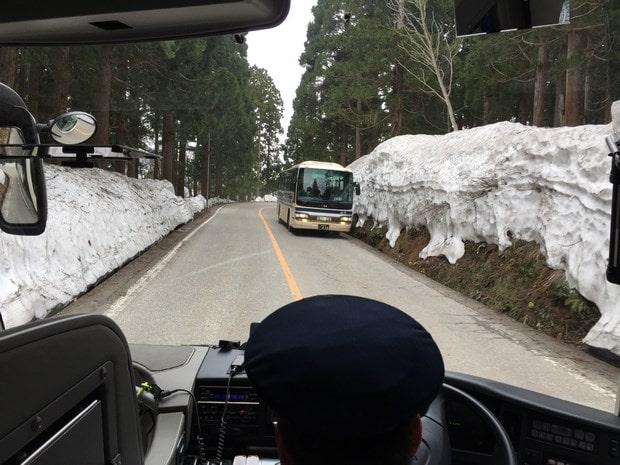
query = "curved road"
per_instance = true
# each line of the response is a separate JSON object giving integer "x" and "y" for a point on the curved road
{"x": 239, "y": 264}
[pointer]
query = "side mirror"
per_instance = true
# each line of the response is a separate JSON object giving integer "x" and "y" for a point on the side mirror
{"x": 74, "y": 127}
{"x": 23, "y": 199}
{"x": 484, "y": 17}
{"x": 356, "y": 185}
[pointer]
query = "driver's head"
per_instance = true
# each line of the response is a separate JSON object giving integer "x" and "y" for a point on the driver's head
{"x": 348, "y": 378}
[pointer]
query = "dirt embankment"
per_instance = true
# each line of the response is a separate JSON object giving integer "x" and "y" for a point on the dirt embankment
{"x": 516, "y": 281}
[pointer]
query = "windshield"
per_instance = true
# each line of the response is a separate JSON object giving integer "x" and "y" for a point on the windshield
{"x": 331, "y": 189}
{"x": 484, "y": 181}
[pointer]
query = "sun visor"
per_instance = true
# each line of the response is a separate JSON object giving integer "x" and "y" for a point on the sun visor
{"x": 84, "y": 22}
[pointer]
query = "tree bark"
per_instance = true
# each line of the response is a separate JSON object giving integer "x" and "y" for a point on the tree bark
{"x": 168, "y": 145}
{"x": 486, "y": 105}
{"x": 180, "y": 172}
{"x": 523, "y": 109}
{"x": 540, "y": 86}
{"x": 205, "y": 156}
{"x": 396, "y": 113}
{"x": 358, "y": 134}
{"x": 121, "y": 166}
{"x": 8, "y": 66}
{"x": 574, "y": 80}
{"x": 341, "y": 152}
{"x": 62, "y": 78}
{"x": 33, "y": 93}
{"x": 103, "y": 92}
{"x": 219, "y": 184}
{"x": 608, "y": 100}
{"x": 157, "y": 162}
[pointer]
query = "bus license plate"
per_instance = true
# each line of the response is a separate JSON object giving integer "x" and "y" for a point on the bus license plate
{"x": 323, "y": 227}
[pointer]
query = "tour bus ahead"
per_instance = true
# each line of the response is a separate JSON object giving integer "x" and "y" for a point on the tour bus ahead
{"x": 316, "y": 195}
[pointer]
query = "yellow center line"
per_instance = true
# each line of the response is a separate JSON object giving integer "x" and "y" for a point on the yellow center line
{"x": 292, "y": 285}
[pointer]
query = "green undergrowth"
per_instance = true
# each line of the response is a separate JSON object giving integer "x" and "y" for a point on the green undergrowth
{"x": 516, "y": 282}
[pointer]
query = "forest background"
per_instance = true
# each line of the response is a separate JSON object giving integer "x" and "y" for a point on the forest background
{"x": 374, "y": 69}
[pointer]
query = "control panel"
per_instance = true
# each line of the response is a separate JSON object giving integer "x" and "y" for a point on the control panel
{"x": 232, "y": 416}
{"x": 549, "y": 441}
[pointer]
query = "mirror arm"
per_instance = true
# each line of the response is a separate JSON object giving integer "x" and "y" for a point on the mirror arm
{"x": 613, "y": 265}
{"x": 44, "y": 127}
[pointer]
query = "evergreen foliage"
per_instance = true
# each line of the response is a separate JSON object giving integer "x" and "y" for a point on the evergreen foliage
{"x": 217, "y": 121}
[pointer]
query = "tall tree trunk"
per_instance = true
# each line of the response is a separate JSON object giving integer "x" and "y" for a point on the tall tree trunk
{"x": 258, "y": 167}
{"x": 397, "y": 110}
{"x": 121, "y": 137}
{"x": 606, "y": 117}
{"x": 8, "y": 66}
{"x": 34, "y": 89}
{"x": 205, "y": 156}
{"x": 358, "y": 134}
{"x": 540, "y": 86}
{"x": 217, "y": 162}
{"x": 574, "y": 80}
{"x": 486, "y": 105}
{"x": 168, "y": 145}
{"x": 523, "y": 109}
{"x": 62, "y": 78}
{"x": 590, "y": 115}
{"x": 103, "y": 93}
{"x": 373, "y": 140}
{"x": 396, "y": 113}
{"x": 448, "y": 102}
{"x": 156, "y": 137}
{"x": 180, "y": 172}
{"x": 559, "y": 117}
{"x": 341, "y": 151}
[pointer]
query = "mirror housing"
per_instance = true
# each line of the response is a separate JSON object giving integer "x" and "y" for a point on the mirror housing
{"x": 23, "y": 197}
{"x": 74, "y": 127}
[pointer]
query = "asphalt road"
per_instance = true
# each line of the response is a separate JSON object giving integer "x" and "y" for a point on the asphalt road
{"x": 212, "y": 278}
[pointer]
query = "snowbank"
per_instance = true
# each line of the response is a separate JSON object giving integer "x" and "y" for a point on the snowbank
{"x": 97, "y": 220}
{"x": 498, "y": 183}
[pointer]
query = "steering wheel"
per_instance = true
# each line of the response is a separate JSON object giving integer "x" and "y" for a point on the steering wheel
{"x": 435, "y": 447}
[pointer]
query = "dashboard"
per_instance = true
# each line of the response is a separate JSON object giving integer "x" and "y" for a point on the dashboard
{"x": 543, "y": 430}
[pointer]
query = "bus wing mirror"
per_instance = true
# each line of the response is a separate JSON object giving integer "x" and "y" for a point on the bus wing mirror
{"x": 23, "y": 200}
{"x": 74, "y": 127}
{"x": 357, "y": 188}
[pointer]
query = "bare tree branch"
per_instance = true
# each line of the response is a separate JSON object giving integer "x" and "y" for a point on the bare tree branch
{"x": 429, "y": 45}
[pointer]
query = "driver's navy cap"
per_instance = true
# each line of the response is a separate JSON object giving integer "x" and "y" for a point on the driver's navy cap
{"x": 343, "y": 365}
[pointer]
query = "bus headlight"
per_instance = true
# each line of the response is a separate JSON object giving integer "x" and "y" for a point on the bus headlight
{"x": 345, "y": 219}
{"x": 301, "y": 216}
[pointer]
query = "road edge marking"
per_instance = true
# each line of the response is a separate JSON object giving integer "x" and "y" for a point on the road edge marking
{"x": 120, "y": 303}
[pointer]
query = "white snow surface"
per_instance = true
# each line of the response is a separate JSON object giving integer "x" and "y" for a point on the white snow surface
{"x": 490, "y": 184}
{"x": 498, "y": 183}
{"x": 97, "y": 221}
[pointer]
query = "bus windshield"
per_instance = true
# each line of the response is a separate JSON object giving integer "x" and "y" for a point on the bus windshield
{"x": 333, "y": 189}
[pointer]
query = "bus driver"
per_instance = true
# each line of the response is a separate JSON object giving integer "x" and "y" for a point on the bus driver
{"x": 348, "y": 378}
